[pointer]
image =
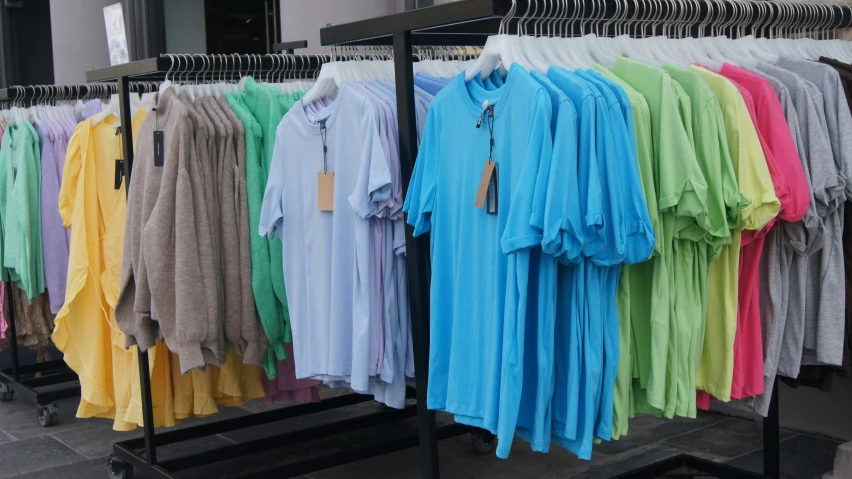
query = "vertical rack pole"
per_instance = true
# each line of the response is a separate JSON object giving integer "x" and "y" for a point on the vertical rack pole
{"x": 13, "y": 331}
{"x": 417, "y": 252}
{"x": 144, "y": 377}
{"x": 772, "y": 438}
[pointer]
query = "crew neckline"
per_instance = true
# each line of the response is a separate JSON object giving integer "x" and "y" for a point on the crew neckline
{"x": 311, "y": 119}
{"x": 474, "y": 95}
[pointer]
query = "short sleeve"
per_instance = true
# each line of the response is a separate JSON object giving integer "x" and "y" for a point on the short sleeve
{"x": 591, "y": 195}
{"x": 420, "y": 196}
{"x": 683, "y": 188}
{"x": 374, "y": 178}
{"x": 828, "y": 185}
{"x": 639, "y": 234}
{"x": 71, "y": 175}
{"x": 753, "y": 177}
{"x": 613, "y": 250}
{"x": 520, "y": 233}
{"x": 556, "y": 208}
{"x": 271, "y": 210}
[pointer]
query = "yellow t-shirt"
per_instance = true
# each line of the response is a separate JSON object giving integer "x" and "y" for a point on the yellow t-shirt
{"x": 716, "y": 369}
{"x": 89, "y": 204}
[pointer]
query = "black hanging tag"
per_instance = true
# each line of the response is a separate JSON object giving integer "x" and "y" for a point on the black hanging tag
{"x": 119, "y": 173}
{"x": 159, "y": 147}
{"x": 491, "y": 198}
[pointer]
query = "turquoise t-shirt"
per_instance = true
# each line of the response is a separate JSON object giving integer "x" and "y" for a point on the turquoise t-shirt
{"x": 572, "y": 314}
{"x": 638, "y": 237}
{"x": 481, "y": 262}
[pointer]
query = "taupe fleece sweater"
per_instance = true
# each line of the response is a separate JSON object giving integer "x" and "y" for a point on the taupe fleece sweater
{"x": 245, "y": 337}
{"x": 168, "y": 245}
{"x": 251, "y": 327}
{"x": 198, "y": 180}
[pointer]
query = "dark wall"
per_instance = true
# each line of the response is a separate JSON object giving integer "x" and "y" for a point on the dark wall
{"x": 238, "y": 27}
{"x": 26, "y": 43}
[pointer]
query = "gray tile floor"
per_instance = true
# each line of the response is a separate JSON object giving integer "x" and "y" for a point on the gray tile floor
{"x": 77, "y": 448}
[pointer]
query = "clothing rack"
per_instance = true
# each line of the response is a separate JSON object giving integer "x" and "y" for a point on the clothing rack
{"x": 141, "y": 454}
{"x": 470, "y": 22}
{"x": 29, "y": 380}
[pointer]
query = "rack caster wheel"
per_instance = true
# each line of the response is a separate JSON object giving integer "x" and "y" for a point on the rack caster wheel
{"x": 118, "y": 469}
{"x": 6, "y": 393}
{"x": 482, "y": 442}
{"x": 48, "y": 415}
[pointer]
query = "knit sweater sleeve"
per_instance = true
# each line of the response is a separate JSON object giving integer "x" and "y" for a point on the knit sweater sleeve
{"x": 132, "y": 309}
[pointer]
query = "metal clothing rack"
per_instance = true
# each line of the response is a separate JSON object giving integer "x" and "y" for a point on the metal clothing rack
{"x": 30, "y": 380}
{"x": 141, "y": 454}
{"x": 470, "y": 22}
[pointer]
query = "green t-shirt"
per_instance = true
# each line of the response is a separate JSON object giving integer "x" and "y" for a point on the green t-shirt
{"x": 21, "y": 210}
{"x": 723, "y": 205}
{"x": 682, "y": 194}
{"x": 260, "y": 109}
{"x": 716, "y": 368}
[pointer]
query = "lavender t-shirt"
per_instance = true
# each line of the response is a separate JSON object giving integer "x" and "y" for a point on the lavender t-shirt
{"x": 93, "y": 107}
{"x": 54, "y": 242}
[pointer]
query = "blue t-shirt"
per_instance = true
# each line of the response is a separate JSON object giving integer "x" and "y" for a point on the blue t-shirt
{"x": 639, "y": 237}
{"x": 481, "y": 262}
{"x": 637, "y": 247}
{"x": 588, "y": 176}
{"x": 559, "y": 183}
{"x": 430, "y": 83}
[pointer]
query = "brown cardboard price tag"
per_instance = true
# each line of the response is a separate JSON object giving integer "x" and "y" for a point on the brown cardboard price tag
{"x": 325, "y": 190}
{"x": 488, "y": 188}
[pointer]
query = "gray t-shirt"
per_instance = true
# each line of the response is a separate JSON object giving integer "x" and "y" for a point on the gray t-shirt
{"x": 823, "y": 339}
{"x": 785, "y": 265}
{"x": 784, "y": 245}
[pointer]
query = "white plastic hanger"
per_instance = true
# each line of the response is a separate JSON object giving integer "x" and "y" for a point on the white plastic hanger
{"x": 496, "y": 50}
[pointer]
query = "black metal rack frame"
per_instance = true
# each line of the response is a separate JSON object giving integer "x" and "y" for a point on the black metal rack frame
{"x": 469, "y": 22}
{"x": 27, "y": 380}
{"x": 141, "y": 454}
{"x": 289, "y": 47}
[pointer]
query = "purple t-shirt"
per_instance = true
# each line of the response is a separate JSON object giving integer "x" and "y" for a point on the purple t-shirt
{"x": 54, "y": 238}
{"x": 378, "y": 246}
{"x": 93, "y": 107}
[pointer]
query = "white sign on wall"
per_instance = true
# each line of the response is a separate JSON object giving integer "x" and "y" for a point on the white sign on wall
{"x": 116, "y": 37}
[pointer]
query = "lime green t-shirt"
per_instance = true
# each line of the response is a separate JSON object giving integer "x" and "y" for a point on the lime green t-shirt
{"x": 681, "y": 194}
{"x": 723, "y": 205}
{"x": 716, "y": 368}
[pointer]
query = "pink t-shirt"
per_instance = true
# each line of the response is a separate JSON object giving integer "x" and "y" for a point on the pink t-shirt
{"x": 791, "y": 188}
{"x": 785, "y": 167}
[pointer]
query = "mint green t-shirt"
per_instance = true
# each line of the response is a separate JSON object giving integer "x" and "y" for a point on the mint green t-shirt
{"x": 260, "y": 109}
{"x": 21, "y": 211}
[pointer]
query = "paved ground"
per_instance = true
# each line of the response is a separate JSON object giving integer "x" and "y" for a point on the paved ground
{"x": 77, "y": 448}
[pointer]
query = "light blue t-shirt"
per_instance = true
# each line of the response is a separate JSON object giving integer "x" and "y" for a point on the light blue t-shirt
{"x": 326, "y": 260}
{"x": 481, "y": 262}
